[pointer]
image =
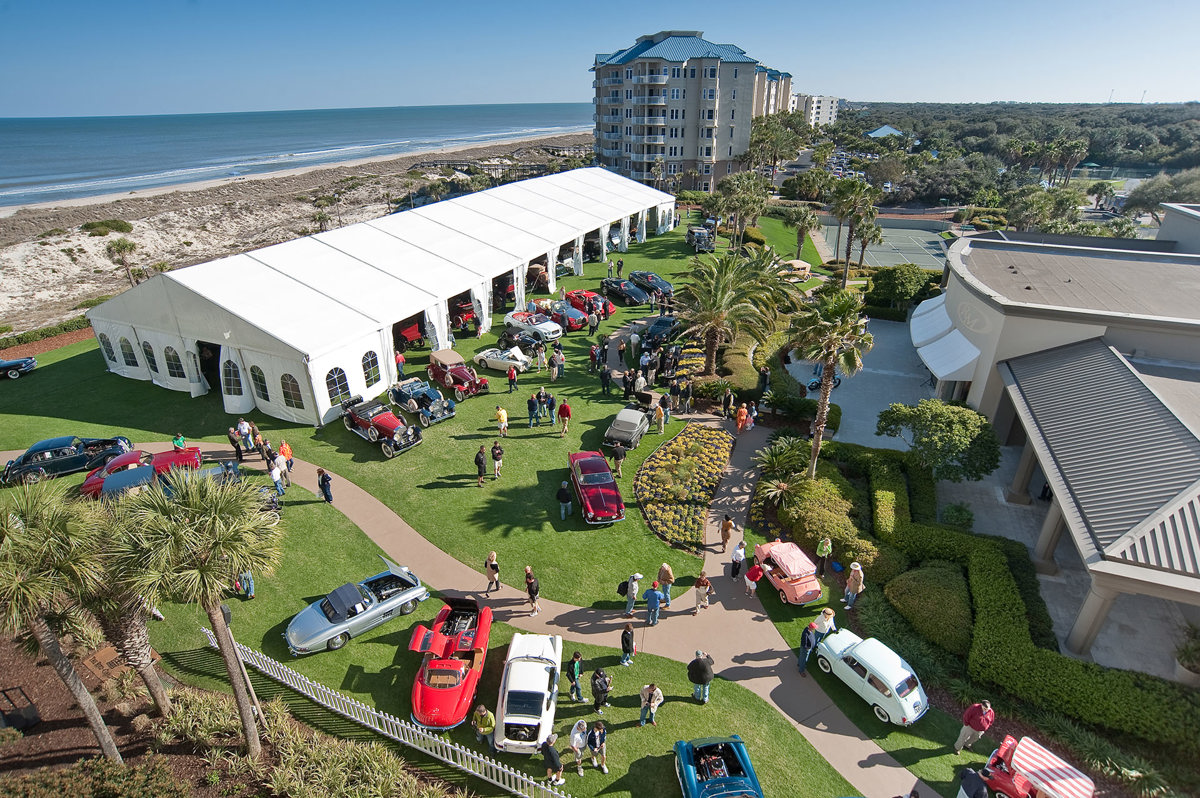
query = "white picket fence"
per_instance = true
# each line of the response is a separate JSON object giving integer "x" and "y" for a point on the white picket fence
{"x": 402, "y": 731}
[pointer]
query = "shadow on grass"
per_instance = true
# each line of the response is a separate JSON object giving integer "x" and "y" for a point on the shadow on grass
{"x": 642, "y": 772}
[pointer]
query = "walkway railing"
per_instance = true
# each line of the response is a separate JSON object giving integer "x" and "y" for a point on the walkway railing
{"x": 402, "y": 731}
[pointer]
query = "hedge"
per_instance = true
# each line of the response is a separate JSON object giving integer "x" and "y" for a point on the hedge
{"x": 28, "y": 337}
{"x": 887, "y": 314}
{"x": 739, "y": 370}
{"x": 935, "y": 600}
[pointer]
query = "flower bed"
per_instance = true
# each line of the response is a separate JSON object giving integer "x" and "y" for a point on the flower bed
{"x": 676, "y": 484}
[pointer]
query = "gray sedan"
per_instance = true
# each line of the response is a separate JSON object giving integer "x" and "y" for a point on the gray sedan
{"x": 628, "y": 427}
{"x": 355, "y": 608}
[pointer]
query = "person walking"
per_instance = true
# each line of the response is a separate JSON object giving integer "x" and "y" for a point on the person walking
{"x": 512, "y": 378}
{"x": 480, "y": 465}
{"x": 660, "y": 418}
{"x": 628, "y": 648}
{"x": 484, "y": 724}
{"x": 593, "y": 323}
{"x": 533, "y": 588}
{"x": 654, "y": 600}
{"x": 281, "y": 464}
{"x": 739, "y": 557}
{"x": 618, "y": 456}
{"x": 686, "y": 394}
{"x": 399, "y": 364}
{"x": 236, "y": 442}
{"x": 597, "y": 743}
{"x": 601, "y": 686}
{"x": 824, "y": 549}
{"x": 277, "y": 478}
{"x": 246, "y": 581}
{"x": 826, "y": 623}
{"x": 635, "y": 341}
{"x": 554, "y": 765}
{"x": 742, "y": 416}
{"x": 726, "y": 532}
{"x": 497, "y": 459}
{"x": 854, "y": 586}
{"x": 631, "y": 592}
{"x": 325, "y": 483}
{"x": 666, "y": 578}
{"x": 285, "y": 449}
{"x": 564, "y": 501}
{"x": 606, "y": 380}
{"x": 752, "y": 576}
{"x": 700, "y": 674}
{"x": 532, "y": 404}
{"x": 578, "y": 742}
{"x": 652, "y": 699}
{"x": 243, "y": 431}
{"x": 808, "y": 641}
{"x": 501, "y": 417}
{"x": 976, "y": 721}
{"x": 564, "y": 418}
{"x": 573, "y": 671}
{"x": 491, "y": 569}
{"x": 704, "y": 589}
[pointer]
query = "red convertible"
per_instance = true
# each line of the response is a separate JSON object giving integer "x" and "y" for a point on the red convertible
{"x": 580, "y": 300}
{"x": 447, "y": 367}
{"x": 454, "y": 650}
{"x": 373, "y": 421}
{"x": 600, "y": 499}
{"x": 162, "y": 462}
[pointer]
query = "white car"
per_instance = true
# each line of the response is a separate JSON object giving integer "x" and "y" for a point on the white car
{"x": 524, "y": 320}
{"x": 502, "y": 359}
{"x": 878, "y": 674}
{"x": 528, "y": 693}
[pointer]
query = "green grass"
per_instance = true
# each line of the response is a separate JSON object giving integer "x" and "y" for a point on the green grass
{"x": 782, "y": 239}
{"x": 322, "y": 548}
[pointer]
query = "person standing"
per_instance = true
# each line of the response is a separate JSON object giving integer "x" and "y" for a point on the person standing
{"x": 539, "y": 351}
{"x": 532, "y": 404}
{"x": 976, "y": 721}
{"x": 727, "y": 404}
{"x": 533, "y": 588}
{"x": 246, "y": 581}
{"x": 554, "y": 765}
{"x": 573, "y": 671}
{"x": 236, "y": 442}
{"x": 277, "y": 478}
{"x": 660, "y": 418}
{"x": 739, "y": 557}
{"x": 686, "y": 393}
{"x": 824, "y": 549}
{"x": 644, "y": 364}
{"x": 243, "y": 431}
{"x": 541, "y": 404}
{"x": 497, "y": 459}
{"x": 610, "y": 268}
{"x": 666, "y": 578}
{"x": 491, "y": 569}
{"x": 281, "y": 464}
{"x": 564, "y": 418}
{"x": 618, "y": 456}
{"x": 631, "y": 592}
{"x": 502, "y": 420}
{"x": 578, "y": 742}
{"x": 325, "y": 484}
{"x": 550, "y": 403}
{"x": 652, "y": 699}
{"x": 285, "y": 449}
{"x": 973, "y": 786}
{"x": 742, "y": 416}
{"x": 598, "y": 746}
{"x": 635, "y": 341}
{"x": 564, "y": 501}
{"x": 673, "y": 394}
{"x": 606, "y": 380}
{"x": 752, "y": 576}
{"x": 601, "y": 687}
{"x": 620, "y": 266}
{"x": 484, "y": 724}
{"x": 512, "y": 378}
{"x": 700, "y": 674}
{"x": 593, "y": 358}
{"x": 480, "y": 465}
{"x": 726, "y": 532}
{"x": 653, "y": 599}
{"x": 628, "y": 649}
{"x": 178, "y": 443}
{"x": 826, "y": 623}
{"x": 808, "y": 641}
{"x": 593, "y": 323}
{"x": 854, "y": 586}
{"x": 752, "y": 416}
{"x": 704, "y": 589}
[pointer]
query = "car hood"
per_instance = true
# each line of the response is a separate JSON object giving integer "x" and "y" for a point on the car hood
{"x": 309, "y": 628}
{"x": 603, "y": 500}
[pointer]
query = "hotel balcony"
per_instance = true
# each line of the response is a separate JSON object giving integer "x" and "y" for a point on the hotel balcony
{"x": 649, "y": 120}
{"x": 611, "y": 81}
{"x": 611, "y": 136}
{"x": 637, "y": 174}
{"x": 610, "y": 118}
{"x": 656, "y": 80}
{"x": 642, "y": 100}
{"x": 648, "y": 139}
{"x": 614, "y": 153}
{"x": 646, "y": 157}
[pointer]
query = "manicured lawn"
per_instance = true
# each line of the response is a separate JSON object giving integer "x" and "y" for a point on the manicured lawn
{"x": 322, "y": 549}
{"x": 783, "y": 240}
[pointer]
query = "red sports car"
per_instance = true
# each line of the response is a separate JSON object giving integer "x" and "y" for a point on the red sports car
{"x": 454, "y": 650}
{"x": 599, "y": 497}
{"x": 162, "y": 462}
{"x": 580, "y": 299}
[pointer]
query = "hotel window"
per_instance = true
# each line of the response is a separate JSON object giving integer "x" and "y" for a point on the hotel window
{"x": 733, "y": 113}
{"x": 708, "y": 152}
{"x": 672, "y": 168}
{"x": 704, "y": 186}
{"x": 729, "y": 166}
{"x": 731, "y": 151}
{"x": 735, "y": 72}
{"x": 291, "y": 392}
{"x": 231, "y": 378}
{"x": 629, "y": 94}
{"x": 148, "y": 351}
{"x": 692, "y": 72}
{"x": 675, "y": 72}
{"x": 712, "y": 72}
{"x": 259, "y": 381}
{"x": 707, "y": 168}
{"x": 709, "y": 114}
{"x": 674, "y": 113}
{"x": 628, "y": 131}
{"x": 674, "y": 94}
{"x": 664, "y": 70}
{"x": 731, "y": 131}
{"x": 127, "y": 353}
{"x": 628, "y": 74}
{"x": 708, "y": 132}
{"x": 733, "y": 94}
{"x": 710, "y": 94}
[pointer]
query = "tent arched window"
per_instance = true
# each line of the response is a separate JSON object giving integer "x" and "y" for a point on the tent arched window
{"x": 148, "y": 351}
{"x": 337, "y": 385}
{"x": 370, "y": 363}
{"x": 231, "y": 378}
{"x": 106, "y": 345}
{"x": 174, "y": 364}
{"x": 291, "y": 392}
{"x": 127, "y": 353}
{"x": 259, "y": 381}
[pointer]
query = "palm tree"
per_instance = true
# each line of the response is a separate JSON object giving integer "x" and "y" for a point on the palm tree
{"x": 1073, "y": 152}
{"x": 724, "y": 298}
{"x": 834, "y": 333}
{"x": 190, "y": 544}
{"x": 45, "y": 557}
{"x": 1101, "y": 190}
{"x": 868, "y": 234}
{"x": 843, "y": 190}
{"x": 805, "y": 221}
{"x": 118, "y": 252}
{"x": 322, "y": 219}
{"x": 857, "y": 207}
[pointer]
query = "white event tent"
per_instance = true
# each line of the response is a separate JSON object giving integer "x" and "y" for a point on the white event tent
{"x": 293, "y": 328}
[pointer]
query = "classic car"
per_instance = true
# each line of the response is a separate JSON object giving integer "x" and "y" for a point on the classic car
{"x": 715, "y": 767}
{"x": 789, "y": 571}
{"x": 503, "y": 290}
{"x": 879, "y": 675}
{"x": 630, "y": 424}
{"x": 649, "y": 281}
{"x": 409, "y": 333}
{"x": 503, "y": 359}
{"x": 354, "y": 609}
{"x": 562, "y": 313}
{"x": 13, "y": 369}
{"x": 373, "y": 421}
{"x": 582, "y": 300}
{"x": 132, "y": 480}
{"x": 455, "y": 649}
{"x": 422, "y": 400}
{"x": 623, "y": 290}
{"x": 67, "y": 455}
{"x": 511, "y": 337}
{"x": 447, "y": 367}
{"x": 161, "y": 462}
{"x": 660, "y": 331}
{"x": 528, "y": 693}
{"x": 533, "y": 322}
{"x": 599, "y": 497}
{"x": 1024, "y": 769}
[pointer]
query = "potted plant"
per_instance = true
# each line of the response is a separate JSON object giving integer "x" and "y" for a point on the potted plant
{"x": 1187, "y": 656}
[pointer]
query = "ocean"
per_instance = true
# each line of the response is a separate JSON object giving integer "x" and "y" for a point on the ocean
{"x": 43, "y": 160}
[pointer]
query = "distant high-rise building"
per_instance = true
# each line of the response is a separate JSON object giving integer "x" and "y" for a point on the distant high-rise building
{"x": 818, "y": 110}
{"x": 676, "y": 100}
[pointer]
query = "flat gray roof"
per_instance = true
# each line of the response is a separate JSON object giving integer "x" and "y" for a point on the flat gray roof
{"x": 1084, "y": 278}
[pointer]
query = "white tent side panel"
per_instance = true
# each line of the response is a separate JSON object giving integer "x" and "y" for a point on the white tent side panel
{"x": 237, "y": 394}
{"x": 349, "y": 359}
{"x": 303, "y": 409}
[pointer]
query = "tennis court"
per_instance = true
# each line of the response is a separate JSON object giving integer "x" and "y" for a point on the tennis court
{"x": 900, "y": 245}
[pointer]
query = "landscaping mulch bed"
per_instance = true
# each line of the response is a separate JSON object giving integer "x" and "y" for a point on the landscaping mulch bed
{"x": 47, "y": 344}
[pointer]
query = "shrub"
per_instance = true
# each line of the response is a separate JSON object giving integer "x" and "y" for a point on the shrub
{"x": 934, "y": 599}
{"x": 9, "y": 735}
{"x": 103, "y": 228}
{"x": 93, "y": 302}
{"x": 99, "y": 778}
{"x": 740, "y": 371}
{"x": 54, "y": 231}
{"x": 77, "y": 323}
{"x": 958, "y": 515}
{"x": 676, "y": 483}
{"x": 691, "y": 197}
{"x": 884, "y": 313}
{"x": 5, "y": 328}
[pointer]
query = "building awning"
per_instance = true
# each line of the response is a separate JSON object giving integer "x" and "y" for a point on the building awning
{"x": 929, "y": 322}
{"x": 951, "y": 357}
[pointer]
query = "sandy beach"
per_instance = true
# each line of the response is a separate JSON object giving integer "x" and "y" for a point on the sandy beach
{"x": 48, "y": 266}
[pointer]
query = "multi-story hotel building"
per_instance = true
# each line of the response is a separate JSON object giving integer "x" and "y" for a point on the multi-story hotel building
{"x": 674, "y": 103}
{"x": 818, "y": 110}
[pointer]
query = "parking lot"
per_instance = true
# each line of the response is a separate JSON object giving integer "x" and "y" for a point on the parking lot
{"x": 921, "y": 247}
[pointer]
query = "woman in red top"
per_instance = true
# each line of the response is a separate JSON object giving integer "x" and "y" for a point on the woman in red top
{"x": 752, "y": 576}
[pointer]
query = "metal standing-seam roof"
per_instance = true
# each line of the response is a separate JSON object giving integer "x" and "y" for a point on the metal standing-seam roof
{"x": 676, "y": 49}
{"x": 1130, "y": 465}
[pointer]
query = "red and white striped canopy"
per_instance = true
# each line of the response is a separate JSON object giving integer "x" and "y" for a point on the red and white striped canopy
{"x": 1049, "y": 773}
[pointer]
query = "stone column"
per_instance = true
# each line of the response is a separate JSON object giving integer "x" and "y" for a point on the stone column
{"x": 623, "y": 245}
{"x": 1047, "y": 542}
{"x": 641, "y": 231}
{"x": 578, "y": 256}
{"x": 1090, "y": 619}
{"x": 1018, "y": 491}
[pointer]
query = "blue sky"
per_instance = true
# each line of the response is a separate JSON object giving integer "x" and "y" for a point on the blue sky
{"x": 70, "y": 58}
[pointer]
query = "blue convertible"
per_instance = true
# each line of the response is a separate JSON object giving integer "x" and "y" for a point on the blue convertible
{"x": 15, "y": 368}
{"x": 714, "y": 767}
{"x": 422, "y": 400}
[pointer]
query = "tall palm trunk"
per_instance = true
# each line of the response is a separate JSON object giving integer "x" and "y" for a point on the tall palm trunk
{"x": 838, "y": 244}
{"x": 66, "y": 671}
{"x": 862, "y": 253}
{"x": 127, "y": 631}
{"x": 240, "y": 694}
{"x": 799, "y": 242}
{"x": 827, "y": 373}
{"x": 711, "y": 341}
{"x": 849, "y": 250}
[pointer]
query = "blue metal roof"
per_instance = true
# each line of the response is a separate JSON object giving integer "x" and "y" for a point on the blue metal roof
{"x": 676, "y": 49}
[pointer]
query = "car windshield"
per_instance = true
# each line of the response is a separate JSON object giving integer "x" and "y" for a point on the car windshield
{"x": 597, "y": 479}
{"x": 907, "y": 686}
{"x": 523, "y": 702}
{"x": 442, "y": 678}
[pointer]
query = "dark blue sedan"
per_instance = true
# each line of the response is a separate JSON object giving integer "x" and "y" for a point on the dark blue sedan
{"x": 67, "y": 455}
{"x": 623, "y": 290}
{"x": 15, "y": 368}
{"x": 649, "y": 281}
{"x": 715, "y": 766}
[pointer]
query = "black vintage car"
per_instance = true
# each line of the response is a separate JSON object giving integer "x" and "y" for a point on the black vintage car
{"x": 66, "y": 455}
{"x": 649, "y": 281}
{"x": 623, "y": 290}
{"x": 660, "y": 331}
{"x": 524, "y": 340}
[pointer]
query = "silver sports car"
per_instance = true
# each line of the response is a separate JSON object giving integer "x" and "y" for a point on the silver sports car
{"x": 355, "y": 608}
{"x": 501, "y": 359}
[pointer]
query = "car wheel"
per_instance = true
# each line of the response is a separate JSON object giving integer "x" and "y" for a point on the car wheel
{"x": 420, "y": 343}
{"x": 824, "y": 665}
{"x": 349, "y": 424}
{"x": 389, "y": 451}
{"x": 372, "y": 434}
{"x": 13, "y": 374}
{"x": 407, "y": 607}
{"x": 429, "y": 372}
{"x": 459, "y": 394}
{"x": 338, "y": 642}
{"x": 628, "y": 300}
{"x": 424, "y": 419}
{"x": 783, "y": 597}
{"x": 881, "y": 713}
{"x": 412, "y": 405}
